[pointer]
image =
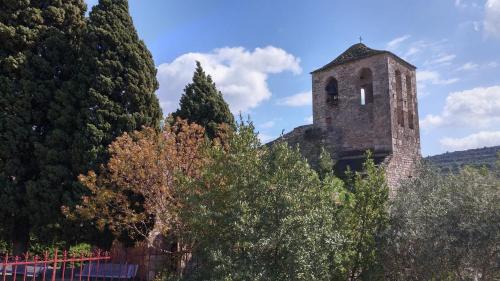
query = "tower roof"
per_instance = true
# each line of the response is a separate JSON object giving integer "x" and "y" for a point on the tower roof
{"x": 359, "y": 51}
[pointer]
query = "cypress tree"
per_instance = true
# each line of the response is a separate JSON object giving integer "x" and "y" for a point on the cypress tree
{"x": 121, "y": 77}
{"x": 203, "y": 104}
{"x": 15, "y": 118}
{"x": 38, "y": 54}
{"x": 68, "y": 87}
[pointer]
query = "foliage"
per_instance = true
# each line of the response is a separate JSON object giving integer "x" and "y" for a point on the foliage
{"x": 266, "y": 215}
{"x": 136, "y": 191}
{"x": 452, "y": 162}
{"x": 120, "y": 74}
{"x": 203, "y": 104}
{"x": 38, "y": 94}
{"x": 40, "y": 248}
{"x": 445, "y": 227}
{"x": 325, "y": 163}
{"x": 4, "y": 247}
{"x": 82, "y": 249}
{"x": 368, "y": 219}
{"x": 62, "y": 103}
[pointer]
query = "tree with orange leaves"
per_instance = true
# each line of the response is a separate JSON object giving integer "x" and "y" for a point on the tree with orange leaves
{"x": 136, "y": 191}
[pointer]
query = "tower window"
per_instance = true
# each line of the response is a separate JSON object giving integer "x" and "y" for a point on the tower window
{"x": 411, "y": 102}
{"x": 332, "y": 92}
{"x": 366, "y": 86}
{"x": 399, "y": 99}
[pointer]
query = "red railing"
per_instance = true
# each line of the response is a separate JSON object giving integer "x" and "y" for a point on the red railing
{"x": 64, "y": 268}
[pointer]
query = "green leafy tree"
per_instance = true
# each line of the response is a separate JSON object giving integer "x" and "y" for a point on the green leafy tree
{"x": 368, "y": 220}
{"x": 326, "y": 164}
{"x": 203, "y": 104}
{"x": 38, "y": 59}
{"x": 445, "y": 227}
{"x": 265, "y": 215}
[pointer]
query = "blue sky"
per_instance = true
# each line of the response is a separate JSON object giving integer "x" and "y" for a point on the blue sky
{"x": 260, "y": 54}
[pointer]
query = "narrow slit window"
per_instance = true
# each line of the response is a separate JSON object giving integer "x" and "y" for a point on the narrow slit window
{"x": 411, "y": 104}
{"x": 399, "y": 99}
{"x": 363, "y": 97}
{"x": 366, "y": 84}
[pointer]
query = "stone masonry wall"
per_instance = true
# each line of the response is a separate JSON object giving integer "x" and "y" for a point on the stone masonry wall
{"x": 347, "y": 129}
{"x": 350, "y": 125}
{"x": 405, "y": 140}
{"x": 309, "y": 139}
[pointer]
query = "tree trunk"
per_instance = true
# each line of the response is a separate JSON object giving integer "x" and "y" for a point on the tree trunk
{"x": 20, "y": 237}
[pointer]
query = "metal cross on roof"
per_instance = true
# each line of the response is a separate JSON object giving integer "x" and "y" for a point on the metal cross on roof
{"x": 360, "y": 39}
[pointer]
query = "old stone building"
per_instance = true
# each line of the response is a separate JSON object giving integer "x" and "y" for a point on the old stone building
{"x": 363, "y": 100}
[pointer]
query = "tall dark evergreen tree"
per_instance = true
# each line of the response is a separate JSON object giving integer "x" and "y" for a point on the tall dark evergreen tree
{"x": 203, "y": 104}
{"x": 38, "y": 59}
{"x": 122, "y": 78}
{"x": 67, "y": 88}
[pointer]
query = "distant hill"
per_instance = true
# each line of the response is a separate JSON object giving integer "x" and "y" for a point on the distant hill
{"x": 452, "y": 161}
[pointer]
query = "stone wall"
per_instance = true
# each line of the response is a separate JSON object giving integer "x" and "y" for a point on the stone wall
{"x": 350, "y": 125}
{"x": 309, "y": 139}
{"x": 405, "y": 137}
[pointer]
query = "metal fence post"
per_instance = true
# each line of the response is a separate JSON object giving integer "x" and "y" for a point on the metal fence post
{"x": 5, "y": 267}
{"x": 54, "y": 268}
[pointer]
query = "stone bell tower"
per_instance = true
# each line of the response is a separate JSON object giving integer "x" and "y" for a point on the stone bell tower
{"x": 366, "y": 99}
{"x": 363, "y": 100}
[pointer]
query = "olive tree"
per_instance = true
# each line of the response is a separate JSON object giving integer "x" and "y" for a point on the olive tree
{"x": 445, "y": 227}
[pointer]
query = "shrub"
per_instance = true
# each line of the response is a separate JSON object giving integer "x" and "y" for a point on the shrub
{"x": 445, "y": 227}
{"x": 264, "y": 214}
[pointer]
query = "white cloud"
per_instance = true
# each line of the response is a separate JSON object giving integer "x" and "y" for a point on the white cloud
{"x": 474, "y": 66}
{"x": 412, "y": 51}
{"x": 240, "y": 74}
{"x": 476, "y": 25}
{"x": 431, "y": 121}
{"x": 443, "y": 59}
{"x": 264, "y": 138}
{"x": 267, "y": 125}
{"x": 394, "y": 43}
{"x": 309, "y": 119}
{"x": 420, "y": 51}
{"x": 492, "y": 18}
{"x": 300, "y": 99}
{"x": 469, "y": 66}
{"x": 461, "y": 4}
{"x": 433, "y": 77}
{"x": 481, "y": 139}
{"x": 493, "y": 64}
{"x": 420, "y": 46}
{"x": 478, "y": 108}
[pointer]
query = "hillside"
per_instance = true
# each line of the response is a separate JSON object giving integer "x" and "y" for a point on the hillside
{"x": 451, "y": 161}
